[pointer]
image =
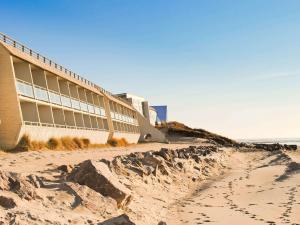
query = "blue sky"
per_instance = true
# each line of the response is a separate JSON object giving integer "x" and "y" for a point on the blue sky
{"x": 232, "y": 67}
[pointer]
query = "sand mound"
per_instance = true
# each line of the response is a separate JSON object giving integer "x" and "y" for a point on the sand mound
{"x": 97, "y": 190}
{"x": 176, "y": 129}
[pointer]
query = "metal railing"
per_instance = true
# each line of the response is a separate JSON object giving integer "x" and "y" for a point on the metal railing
{"x": 11, "y": 42}
{"x": 123, "y": 118}
{"x": 31, "y": 123}
{"x": 41, "y": 93}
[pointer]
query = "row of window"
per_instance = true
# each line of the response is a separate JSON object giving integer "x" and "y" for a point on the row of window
{"x": 121, "y": 113}
{"x": 123, "y": 127}
{"x": 49, "y": 96}
{"x": 44, "y": 115}
{"x": 123, "y": 118}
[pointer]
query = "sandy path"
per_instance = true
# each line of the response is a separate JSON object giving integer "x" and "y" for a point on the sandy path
{"x": 248, "y": 195}
{"x": 35, "y": 161}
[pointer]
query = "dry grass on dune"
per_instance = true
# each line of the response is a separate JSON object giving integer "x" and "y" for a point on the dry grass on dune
{"x": 118, "y": 142}
{"x": 65, "y": 143}
{"x": 176, "y": 128}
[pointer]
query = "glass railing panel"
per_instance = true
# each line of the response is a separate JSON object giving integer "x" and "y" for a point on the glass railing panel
{"x": 119, "y": 116}
{"x": 54, "y": 98}
{"x": 83, "y": 106}
{"x": 25, "y": 89}
{"x": 41, "y": 93}
{"x": 66, "y": 101}
{"x": 102, "y": 111}
{"x": 75, "y": 104}
{"x": 112, "y": 115}
{"x": 91, "y": 108}
{"x": 97, "y": 111}
{"x": 127, "y": 119}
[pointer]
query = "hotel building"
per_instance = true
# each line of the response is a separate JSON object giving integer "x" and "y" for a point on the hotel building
{"x": 43, "y": 99}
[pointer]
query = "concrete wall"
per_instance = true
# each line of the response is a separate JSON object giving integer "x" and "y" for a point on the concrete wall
{"x": 10, "y": 113}
{"x": 147, "y": 129}
{"x": 130, "y": 137}
{"x": 45, "y": 133}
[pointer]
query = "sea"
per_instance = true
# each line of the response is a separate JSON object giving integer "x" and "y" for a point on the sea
{"x": 288, "y": 141}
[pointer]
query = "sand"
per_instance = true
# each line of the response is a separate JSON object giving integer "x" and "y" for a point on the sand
{"x": 34, "y": 161}
{"x": 248, "y": 194}
{"x": 249, "y": 188}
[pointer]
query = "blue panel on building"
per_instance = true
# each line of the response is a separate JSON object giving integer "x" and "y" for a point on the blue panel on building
{"x": 162, "y": 113}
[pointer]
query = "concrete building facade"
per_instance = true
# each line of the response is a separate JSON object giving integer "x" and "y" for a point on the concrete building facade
{"x": 147, "y": 117}
{"x": 40, "y": 98}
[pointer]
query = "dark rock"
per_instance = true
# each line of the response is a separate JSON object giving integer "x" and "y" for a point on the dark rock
{"x": 164, "y": 153}
{"x": 7, "y": 202}
{"x": 196, "y": 158}
{"x": 17, "y": 184}
{"x": 275, "y": 147}
{"x": 23, "y": 188}
{"x": 180, "y": 165}
{"x": 162, "y": 223}
{"x": 35, "y": 180}
{"x": 120, "y": 220}
{"x": 65, "y": 168}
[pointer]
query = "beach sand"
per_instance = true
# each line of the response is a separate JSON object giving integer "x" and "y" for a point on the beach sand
{"x": 248, "y": 188}
{"x": 257, "y": 190}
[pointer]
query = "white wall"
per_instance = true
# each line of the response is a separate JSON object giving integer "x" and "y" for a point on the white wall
{"x": 45, "y": 133}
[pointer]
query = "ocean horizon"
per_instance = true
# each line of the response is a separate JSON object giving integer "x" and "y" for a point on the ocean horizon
{"x": 288, "y": 141}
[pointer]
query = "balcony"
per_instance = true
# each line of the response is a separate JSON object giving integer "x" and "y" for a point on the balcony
{"x": 75, "y": 104}
{"x": 102, "y": 112}
{"x": 25, "y": 88}
{"x": 41, "y": 93}
{"x": 83, "y": 106}
{"x": 54, "y": 97}
{"x": 91, "y": 108}
{"x": 123, "y": 118}
{"x": 66, "y": 101}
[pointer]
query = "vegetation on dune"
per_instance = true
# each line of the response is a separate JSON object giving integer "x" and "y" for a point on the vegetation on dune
{"x": 65, "y": 143}
{"x": 180, "y": 129}
{"x": 118, "y": 142}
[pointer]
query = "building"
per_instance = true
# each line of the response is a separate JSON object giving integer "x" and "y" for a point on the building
{"x": 43, "y": 99}
{"x": 162, "y": 113}
{"x": 136, "y": 101}
{"x": 147, "y": 117}
{"x": 141, "y": 105}
{"x": 152, "y": 115}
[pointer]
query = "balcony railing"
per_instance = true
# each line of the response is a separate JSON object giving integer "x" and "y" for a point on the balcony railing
{"x": 75, "y": 104}
{"x": 13, "y": 43}
{"x": 91, "y": 108}
{"x": 32, "y": 123}
{"x": 83, "y": 106}
{"x": 41, "y": 93}
{"x": 25, "y": 88}
{"x": 102, "y": 111}
{"x": 54, "y": 97}
{"x": 123, "y": 118}
{"x": 66, "y": 101}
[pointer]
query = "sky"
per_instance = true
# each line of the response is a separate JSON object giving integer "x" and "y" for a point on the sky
{"x": 231, "y": 67}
